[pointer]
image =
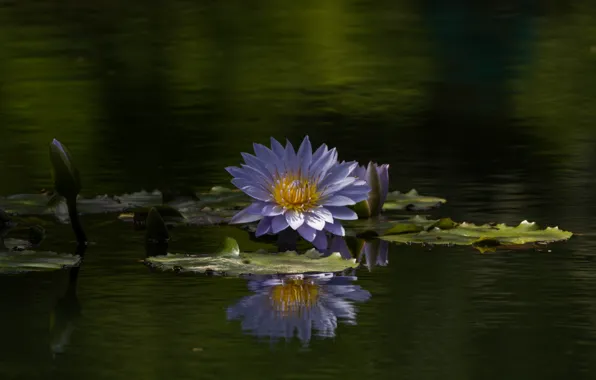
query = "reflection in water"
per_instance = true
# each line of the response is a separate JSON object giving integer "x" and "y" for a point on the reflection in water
{"x": 67, "y": 310}
{"x": 369, "y": 253}
{"x": 374, "y": 253}
{"x": 295, "y": 305}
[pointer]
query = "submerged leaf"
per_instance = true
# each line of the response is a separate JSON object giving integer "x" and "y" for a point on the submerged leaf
{"x": 447, "y": 232}
{"x": 411, "y": 201}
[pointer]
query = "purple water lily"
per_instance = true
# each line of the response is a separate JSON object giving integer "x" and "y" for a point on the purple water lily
{"x": 377, "y": 177}
{"x": 308, "y": 192}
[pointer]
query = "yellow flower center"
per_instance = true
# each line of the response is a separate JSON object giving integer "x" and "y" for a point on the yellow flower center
{"x": 293, "y": 192}
{"x": 294, "y": 297}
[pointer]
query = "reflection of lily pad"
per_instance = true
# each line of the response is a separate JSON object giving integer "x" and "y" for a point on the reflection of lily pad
{"x": 258, "y": 263}
{"x": 446, "y": 232}
{"x": 411, "y": 201}
{"x": 34, "y": 261}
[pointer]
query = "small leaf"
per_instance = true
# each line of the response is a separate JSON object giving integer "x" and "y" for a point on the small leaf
{"x": 411, "y": 201}
{"x": 443, "y": 224}
{"x": 403, "y": 228}
{"x": 229, "y": 248}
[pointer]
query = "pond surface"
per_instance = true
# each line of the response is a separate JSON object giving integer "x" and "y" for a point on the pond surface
{"x": 489, "y": 107}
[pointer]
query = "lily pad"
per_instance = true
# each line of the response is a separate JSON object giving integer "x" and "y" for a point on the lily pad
{"x": 411, "y": 201}
{"x": 379, "y": 225}
{"x": 447, "y": 232}
{"x": 231, "y": 261}
{"x": 19, "y": 261}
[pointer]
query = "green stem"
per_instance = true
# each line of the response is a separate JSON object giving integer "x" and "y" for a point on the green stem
{"x": 75, "y": 222}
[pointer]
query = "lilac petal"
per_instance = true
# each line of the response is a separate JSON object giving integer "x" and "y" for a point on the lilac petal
{"x": 290, "y": 158}
{"x": 257, "y": 175}
{"x": 320, "y": 242}
{"x": 355, "y": 193}
{"x": 337, "y": 173}
{"x": 258, "y": 165}
{"x": 338, "y": 200}
{"x": 359, "y": 172}
{"x": 319, "y": 152}
{"x": 241, "y": 183}
{"x": 257, "y": 193}
{"x": 337, "y": 185}
{"x": 305, "y": 156}
{"x": 248, "y": 214}
{"x": 263, "y": 227}
{"x": 335, "y": 228}
{"x": 315, "y": 221}
{"x": 277, "y": 148}
{"x": 272, "y": 162}
{"x": 294, "y": 218}
{"x": 342, "y": 213}
{"x": 237, "y": 172}
{"x": 323, "y": 213}
{"x": 307, "y": 232}
{"x": 322, "y": 165}
{"x": 272, "y": 209}
{"x": 279, "y": 223}
{"x": 262, "y": 152}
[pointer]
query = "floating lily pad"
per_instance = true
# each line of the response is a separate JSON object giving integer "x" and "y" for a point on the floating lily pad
{"x": 231, "y": 261}
{"x": 411, "y": 201}
{"x": 16, "y": 260}
{"x": 447, "y": 232}
{"x": 379, "y": 225}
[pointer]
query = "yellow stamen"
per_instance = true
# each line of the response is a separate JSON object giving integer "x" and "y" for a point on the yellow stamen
{"x": 293, "y": 192}
{"x": 294, "y": 297}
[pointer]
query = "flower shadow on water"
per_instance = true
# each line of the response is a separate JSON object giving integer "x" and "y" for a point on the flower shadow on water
{"x": 300, "y": 305}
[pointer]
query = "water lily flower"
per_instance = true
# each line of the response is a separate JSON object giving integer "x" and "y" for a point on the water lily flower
{"x": 377, "y": 177}
{"x": 296, "y": 305}
{"x": 308, "y": 192}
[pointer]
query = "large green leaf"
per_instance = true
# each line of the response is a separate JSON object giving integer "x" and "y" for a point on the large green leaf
{"x": 411, "y": 201}
{"x": 232, "y": 262}
{"x": 446, "y": 232}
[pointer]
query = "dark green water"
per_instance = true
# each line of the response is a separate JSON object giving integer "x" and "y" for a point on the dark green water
{"x": 491, "y": 107}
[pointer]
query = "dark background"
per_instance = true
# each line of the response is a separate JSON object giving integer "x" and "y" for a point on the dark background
{"x": 488, "y": 104}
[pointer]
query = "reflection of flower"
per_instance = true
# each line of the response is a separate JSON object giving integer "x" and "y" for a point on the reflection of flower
{"x": 375, "y": 253}
{"x": 305, "y": 191}
{"x": 377, "y": 177}
{"x": 372, "y": 253}
{"x": 295, "y": 305}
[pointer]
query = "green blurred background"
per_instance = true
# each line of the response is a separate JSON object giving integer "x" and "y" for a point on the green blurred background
{"x": 489, "y": 104}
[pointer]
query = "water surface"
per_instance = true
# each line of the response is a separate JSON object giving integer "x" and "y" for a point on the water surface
{"x": 487, "y": 106}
